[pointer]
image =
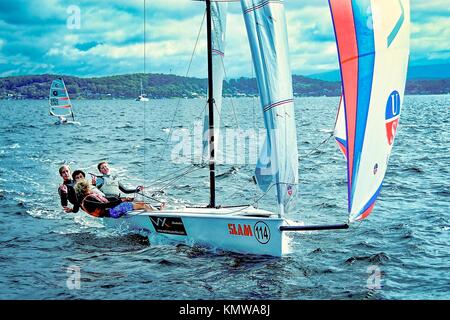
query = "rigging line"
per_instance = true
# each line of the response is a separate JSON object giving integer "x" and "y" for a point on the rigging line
{"x": 186, "y": 172}
{"x": 179, "y": 99}
{"x": 270, "y": 187}
{"x": 175, "y": 172}
{"x": 149, "y": 197}
{"x": 171, "y": 181}
{"x": 176, "y": 177}
{"x": 318, "y": 146}
{"x": 145, "y": 42}
{"x": 168, "y": 179}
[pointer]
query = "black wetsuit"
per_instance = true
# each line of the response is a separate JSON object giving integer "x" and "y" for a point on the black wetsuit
{"x": 70, "y": 196}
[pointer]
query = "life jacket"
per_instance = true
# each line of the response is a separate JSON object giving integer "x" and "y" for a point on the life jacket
{"x": 110, "y": 186}
{"x": 98, "y": 212}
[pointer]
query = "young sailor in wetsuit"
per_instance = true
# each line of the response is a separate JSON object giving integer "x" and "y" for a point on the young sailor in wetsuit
{"x": 66, "y": 190}
{"x": 77, "y": 176}
{"x": 100, "y": 206}
{"x": 109, "y": 184}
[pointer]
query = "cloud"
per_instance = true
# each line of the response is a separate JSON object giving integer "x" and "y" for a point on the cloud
{"x": 34, "y": 37}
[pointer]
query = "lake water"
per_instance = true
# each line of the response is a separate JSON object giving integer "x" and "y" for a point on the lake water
{"x": 400, "y": 252}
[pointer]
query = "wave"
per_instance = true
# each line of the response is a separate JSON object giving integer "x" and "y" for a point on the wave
{"x": 414, "y": 170}
{"x": 378, "y": 258}
{"x": 230, "y": 172}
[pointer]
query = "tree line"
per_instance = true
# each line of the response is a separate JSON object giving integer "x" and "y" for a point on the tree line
{"x": 157, "y": 86}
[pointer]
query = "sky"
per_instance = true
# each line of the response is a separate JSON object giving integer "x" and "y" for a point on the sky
{"x": 106, "y": 37}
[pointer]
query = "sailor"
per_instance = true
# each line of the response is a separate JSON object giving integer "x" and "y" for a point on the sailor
{"x": 100, "y": 206}
{"x": 109, "y": 184}
{"x": 62, "y": 119}
{"x": 66, "y": 190}
{"x": 79, "y": 175}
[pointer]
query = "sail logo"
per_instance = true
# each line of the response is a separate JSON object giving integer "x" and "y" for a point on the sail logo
{"x": 392, "y": 115}
{"x": 240, "y": 230}
{"x": 289, "y": 190}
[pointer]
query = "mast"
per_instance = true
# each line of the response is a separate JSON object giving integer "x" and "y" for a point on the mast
{"x": 212, "y": 175}
{"x": 71, "y": 109}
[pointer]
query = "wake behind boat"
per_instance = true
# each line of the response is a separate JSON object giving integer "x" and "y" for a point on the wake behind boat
{"x": 373, "y": 62}
{"x": 60, "y": 104}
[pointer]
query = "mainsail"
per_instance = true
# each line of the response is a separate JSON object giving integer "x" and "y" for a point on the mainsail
{"x": 59, "y": 100}
{"x": 218, "y": 17}
{"x": 373, "y": 44}
{"x": 278, "y": 163}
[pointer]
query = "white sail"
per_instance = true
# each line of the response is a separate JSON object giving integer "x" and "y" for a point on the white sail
{"x": 219, "y": 18}
{"x": 267, "y": 32}
{"x": 59, "y": 100}
{"x": 373, "y": 44}
{"x": 142, "y": 96}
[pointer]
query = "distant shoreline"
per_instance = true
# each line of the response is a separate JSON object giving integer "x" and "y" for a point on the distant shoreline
{"x": 161, "y": 86}
{"x": 199, "y": 98}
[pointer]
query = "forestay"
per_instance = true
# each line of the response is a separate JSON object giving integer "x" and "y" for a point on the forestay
{"x": 278, "y": 163}
{"x": 373, "y": 44}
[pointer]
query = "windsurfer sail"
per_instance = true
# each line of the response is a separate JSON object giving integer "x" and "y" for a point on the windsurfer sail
{"x": 59, "y": 102}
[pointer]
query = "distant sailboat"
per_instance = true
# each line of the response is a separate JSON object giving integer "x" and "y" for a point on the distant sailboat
{"x": 373, "y": 44}
{"x": 142, "y": 96}
{"x": 60, "y": 104}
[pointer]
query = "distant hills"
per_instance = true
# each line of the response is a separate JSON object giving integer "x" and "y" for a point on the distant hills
{"x": 171, "y": 86}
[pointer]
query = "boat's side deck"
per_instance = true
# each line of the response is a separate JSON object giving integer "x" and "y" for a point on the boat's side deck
{"x": 244, "y": 211}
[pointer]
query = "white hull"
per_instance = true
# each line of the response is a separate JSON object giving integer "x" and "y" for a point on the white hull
{"x": 140, "y": 98}
{"x": 68, "y": 122}
{"x": 242, "y": 229}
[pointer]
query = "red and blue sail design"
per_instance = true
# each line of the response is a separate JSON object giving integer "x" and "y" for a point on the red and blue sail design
{"x": 340, "y": 133}
{"x": 59, "y": 100}
{"x": 373, "y": 44}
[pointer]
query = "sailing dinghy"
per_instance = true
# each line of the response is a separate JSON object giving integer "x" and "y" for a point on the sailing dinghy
{"x": 373, "y": 44}
{"x": 60, "y": 104}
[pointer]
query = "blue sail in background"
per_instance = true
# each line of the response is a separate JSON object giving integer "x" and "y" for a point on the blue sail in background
{"x": 278, "y": 162}
{"x": 218, "y": 17}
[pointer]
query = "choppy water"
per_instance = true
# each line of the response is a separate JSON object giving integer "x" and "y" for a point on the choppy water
{"x": 405, "y": 240}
